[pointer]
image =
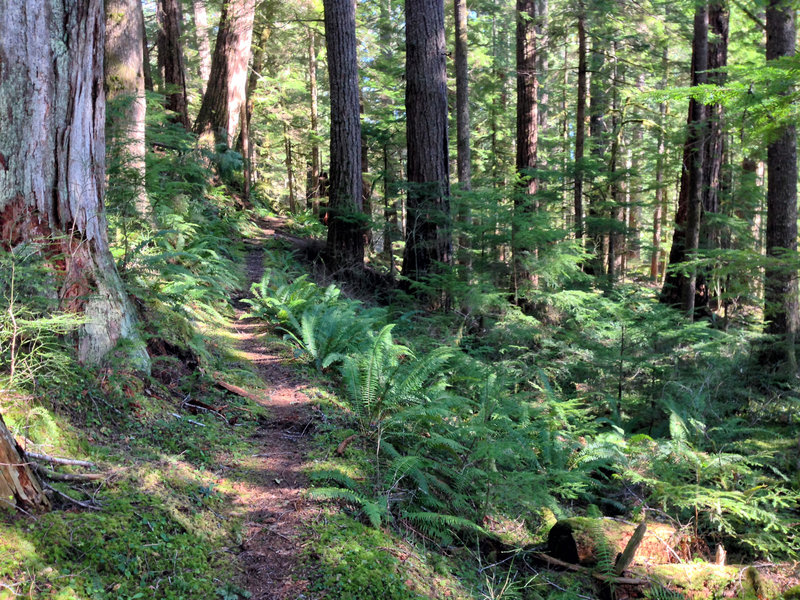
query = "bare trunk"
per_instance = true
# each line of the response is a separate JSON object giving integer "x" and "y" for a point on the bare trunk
{"x": 313, "y": 193}
{"x": 527, "y": 139}
{"x": 428, "y": 209}
{"x": 125, "y": 91}
{"x": 170, "y": 58}
{"x": 203, "y": 45}
{"x": 780, "y": 288}
{"x": 580, "y": 124}
{"x": 345, "y": 243}
{"x": 660, "y": 201}
{"x": 463, "y": 160}
{"x": 53, "y": 175}
{"x": 221, "y": 109}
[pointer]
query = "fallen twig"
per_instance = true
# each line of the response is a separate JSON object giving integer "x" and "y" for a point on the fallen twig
{"x": 578, "y": 568}
{"x": 60, "y": 461}
{"x": 70, "y": 498}
{"x": 53, "y": 476}
{"x": 235, "y": 389}
{"x": 193, "y": 422}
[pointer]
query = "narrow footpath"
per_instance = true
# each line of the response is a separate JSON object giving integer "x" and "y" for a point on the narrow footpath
{"x": 271, "y": 485}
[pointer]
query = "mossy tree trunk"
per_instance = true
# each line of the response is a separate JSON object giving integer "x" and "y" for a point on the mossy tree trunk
{"x": 52, "y": 161}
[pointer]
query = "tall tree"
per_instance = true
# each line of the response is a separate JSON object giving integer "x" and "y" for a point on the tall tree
{"x": 580, "y": 122}
{"x": 201, "y": 36}
{"x": 527, "y": 135}
{"x": 428, "y": 206}
{"x": 170, "y": 58}
{"x": 313, "y": 192}
{"x": 221, "y": 108}
{"x": 345, "y": 245}
{"x": 125, "y": 91}
{"x": 463, "y": 159}
{"x": 780, "y": 287}
{"x": 52, "y": 149}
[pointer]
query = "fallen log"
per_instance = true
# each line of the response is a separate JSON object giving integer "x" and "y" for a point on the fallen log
{"x": 581, "y": 569}
{"x": 582, "y": 540}
{"x": 19, "y": 486}
{"x": 235, "y": 389}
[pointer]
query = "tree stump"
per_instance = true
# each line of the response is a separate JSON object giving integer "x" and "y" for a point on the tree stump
{"x": 583, "y": 541}
{"x": 19, "y": 486}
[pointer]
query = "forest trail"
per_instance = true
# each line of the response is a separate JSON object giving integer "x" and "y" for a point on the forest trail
{"x": 271, "y": 484}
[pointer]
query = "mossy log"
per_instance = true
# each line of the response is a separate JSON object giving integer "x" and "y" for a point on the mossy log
{"x": 584, "y": 541}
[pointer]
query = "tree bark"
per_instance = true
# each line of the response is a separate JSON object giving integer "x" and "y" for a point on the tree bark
{"x": 660, "y": 201}
{"x": 148, "y": 73}
{"x": 597, "y": 236}
{"x": 463, "y": 159}
{"x": 679, "y": 289}
{"x": 527, "y": 138}
{"x": 580, "y": 123}
{"x": 780, "y": 284}
{"x": 220, "y": 110}
{"x": 345, "y": 244}
{"x": 170, "y": 59}
{"x": 19, "y": 486}
{"x": 203, "y": 45}
{"x": 125, "y": 91}
{"x": 428, "y": 206}
{"x": 314, "y": 192}
{"x": 52, "y": 153}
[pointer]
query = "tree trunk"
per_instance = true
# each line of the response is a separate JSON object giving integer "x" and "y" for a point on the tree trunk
{"x": 660, "y": 201}
{"x": 428, "y": 208}
{"x": 170, "y": 58}
{"x": 679, "y": 289}
{"x": 314, "y": 192}
{"x": 19, "y": 486}
{"x": 245, "y": 141}
{"x": 580, "y": 123}
{"x": 203, "y": 45}
{"x": 345, "y": 244}
{"x": 125, "y": 91}
{"x": 596, "y": 234}
{"x": 289, "y": 161}
{"x": 220, "y": 110}
{"x": 53, "y": 159}
{"x": 527, "y": 140}
{"x": 463, "y": 154}
{"x": 463, "y": 159}
{"x": 780, "y": 287}
{"x": 148, "y": 73}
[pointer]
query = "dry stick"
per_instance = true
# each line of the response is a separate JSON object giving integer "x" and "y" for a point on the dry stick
{"x": 55, "y": 460}
{"x": 235, "y": 389}
{"x": 52, "y": 475}
{"x": 70, "y": 498}
{"x": 569, "y": 566}
{"x": 177, "y": 416}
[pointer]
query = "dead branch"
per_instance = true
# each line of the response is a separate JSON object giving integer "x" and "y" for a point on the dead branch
{"x": 345, "y": 443}
{"x": 53, "y": 476}
{"x": 70, "y": 498}
{"x": 579, "y": 569}
{"x": 55, "y": 460}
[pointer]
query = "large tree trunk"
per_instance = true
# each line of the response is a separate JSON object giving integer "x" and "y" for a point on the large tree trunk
{"x": 19, "y": 486}
{"x": 527, "y": 139}
{"x": 680, "y": 289}
{"x": 170, "y": 58}
{"x": 125, "y": 91}
{"x": 780, "y": 287}
{"x": 660, "y": 201}
{"x": 428, "y": 206}
{"x": 345, "y": 245}
{"x": 52, "y": 153}
{"x": 222, "y": 103}
{"x": 203, "y": 45}
{"x": 580, "y": 123}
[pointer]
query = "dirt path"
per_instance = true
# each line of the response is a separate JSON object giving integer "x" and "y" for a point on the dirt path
{"x": 271, "y": 482}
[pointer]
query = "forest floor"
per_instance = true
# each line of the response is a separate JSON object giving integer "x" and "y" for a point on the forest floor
{"x": 272, "y": 487}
